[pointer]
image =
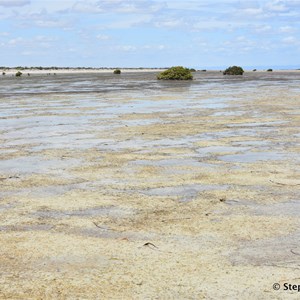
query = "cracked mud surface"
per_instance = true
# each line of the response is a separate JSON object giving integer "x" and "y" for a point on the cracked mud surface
{"x": 94, "y": 167}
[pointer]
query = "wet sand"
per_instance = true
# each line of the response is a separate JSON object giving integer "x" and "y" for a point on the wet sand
{"x": 125, "y": 187}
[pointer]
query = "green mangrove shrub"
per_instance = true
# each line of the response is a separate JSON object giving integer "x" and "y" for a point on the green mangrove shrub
{"x": 176, "y": 73}
{"x": 18, "y": 74}
{"x": 117, "y": 71}
{"x": 270, "y": 70}
{"x": 234, "y": 70}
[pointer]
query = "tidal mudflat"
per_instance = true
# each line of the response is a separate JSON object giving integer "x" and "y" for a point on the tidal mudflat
{"x": 125, "y": 187}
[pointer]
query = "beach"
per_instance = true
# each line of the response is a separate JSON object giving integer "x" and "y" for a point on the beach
{"x": 126, "y": 187}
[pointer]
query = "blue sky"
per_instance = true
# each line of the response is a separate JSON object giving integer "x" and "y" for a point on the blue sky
{"x": 150, "y": 33}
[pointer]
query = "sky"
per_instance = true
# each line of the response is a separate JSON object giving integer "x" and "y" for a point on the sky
{"x": 150, "y": 33}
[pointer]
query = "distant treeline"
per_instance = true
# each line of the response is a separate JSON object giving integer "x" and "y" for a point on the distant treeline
{"x": 71, "y": 68}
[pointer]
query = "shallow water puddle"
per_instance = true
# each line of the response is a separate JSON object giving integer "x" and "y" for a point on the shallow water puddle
{"x": 204, "y": 151}
{"x": 261, "y": 144}
{"x": 288, "y": 208}
{"x": 251, "y": 157}
{"x": 35, "y": 164}
{"x": 257, "y": 124}
{"x": 54, "y": 190}
{"x": 228, "y": 113}
{"x": 184, "y": 192}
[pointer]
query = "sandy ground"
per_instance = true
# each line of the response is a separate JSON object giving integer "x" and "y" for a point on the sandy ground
{"x": 106, "y": 199}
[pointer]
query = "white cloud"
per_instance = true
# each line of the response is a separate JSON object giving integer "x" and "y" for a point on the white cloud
{"x": 212, "y": 25}
{"x": 169, "y": 23}
{"x": 11, "y": 3}
{"x": 161, "y": 47}
{"x": 132, "y": 6}
{"x": 117, "y": 6}
{"x": 52, "y": 23}
{"x": 291, "y": 40}
{"x": 27, "y": 53}
{"x": 86, "y": 7}
{"x": 72, "y": 50}
{"x": 241, "y": 44}
{"x": 102, "y": 37}
{"x": 125, "y": 22}
{"x": 277, "y": 6}
{"x": 32, "y": 43}
{"x": 154, "y": 47}
{"x": 16, "y": 41}
{"x": 42, "y": 18}
{"x": 252, "y": 11}
{"x": 127, "y": 48}
{"x": 286, "y": 29}
{"x": 133, "y": 48}
{"x": 262, "y": 28}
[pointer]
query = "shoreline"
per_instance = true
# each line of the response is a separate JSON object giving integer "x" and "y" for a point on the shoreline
{"x": 77, "y": 71}
{"x": 13, "y": 71}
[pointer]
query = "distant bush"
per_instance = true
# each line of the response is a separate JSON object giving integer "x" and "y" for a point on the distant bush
{"x": 203, "y": 70}
{"x": 176, "y": 73}
{"x": 193, "y": 70}
{"x": 270, "y": 70}
{"x": 117, "y": 71}
{"x": 3, "y": 73}
{"x": 18, "y": 74}
{"x": 234, "y": 70}
{"x": 254, "y": 70}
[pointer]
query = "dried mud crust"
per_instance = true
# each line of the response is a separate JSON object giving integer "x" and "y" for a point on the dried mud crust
{"x": 133, "y": 196}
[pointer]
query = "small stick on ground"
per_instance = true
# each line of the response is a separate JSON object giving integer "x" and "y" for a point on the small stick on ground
{"x": 150, "y": 245}
{"x": 98, "y": 226}
{"x": 280, "y": 183}
{"x": 177, "y": 219}
{"x": 295, "y": 253}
